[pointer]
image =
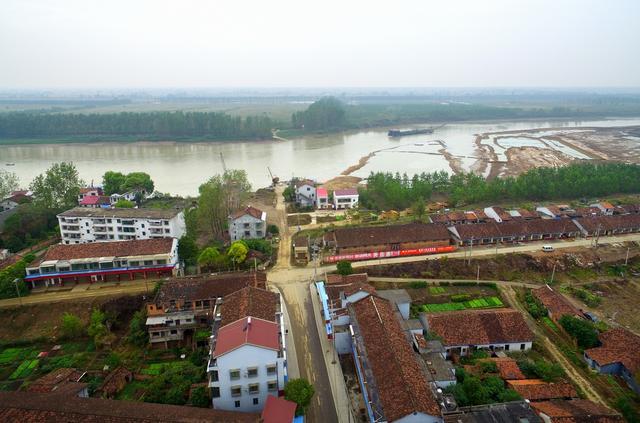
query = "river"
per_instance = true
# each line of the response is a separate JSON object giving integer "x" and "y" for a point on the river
{"x": 179, "y": 168}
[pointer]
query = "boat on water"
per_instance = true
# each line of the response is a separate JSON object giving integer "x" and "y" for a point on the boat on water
{"x": 10, "y": 164}
{"x": 398, "y": 133}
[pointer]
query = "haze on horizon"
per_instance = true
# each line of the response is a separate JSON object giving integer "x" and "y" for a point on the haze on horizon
{"x": 55, "y": 44}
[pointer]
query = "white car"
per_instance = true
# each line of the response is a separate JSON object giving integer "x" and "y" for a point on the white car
{"x": 547, "y": 248}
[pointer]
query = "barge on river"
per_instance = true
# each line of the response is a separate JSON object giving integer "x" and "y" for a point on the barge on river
{"x": 395, "y": 133}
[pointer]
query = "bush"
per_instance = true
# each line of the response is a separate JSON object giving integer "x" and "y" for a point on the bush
{"x": 460, "y": 298}
{"x": 273, "y": 230}
{"x": 299, "y": 391}
{"x": 587, "y": 297}
{"x": 581, "y": 330}
{"x": 200, "y": 397}
{"x": 138, "y": 334}
{"x": 260, "y": 245}
{"x": 417, "y": 284}
{"x": 71, "y": 326}
{"x": 535, "y": 308}
{"x": 344, "y": 268}
{"x": 540, "y": 369}
{"x": 488, "y": 367}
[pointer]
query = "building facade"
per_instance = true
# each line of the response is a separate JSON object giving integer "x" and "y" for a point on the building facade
{"x": 305, "y": 193}
{"x": 83, "y": 225}
{"x": 345, "y": 198}
{"x": 250, "y": 223}
{"x": 100, "y": 262}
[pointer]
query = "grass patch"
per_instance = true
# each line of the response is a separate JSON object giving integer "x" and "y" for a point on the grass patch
{"x": 550, "y": 323}
{"x": 436, "y": 290}
{"x": 11, "y": 355}
{"x": 24, "y": 369}
{"x": 479, "y": 303}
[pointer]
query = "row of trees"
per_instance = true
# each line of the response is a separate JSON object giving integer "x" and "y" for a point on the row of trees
{"x": 178, "y": 124}
{"x": 119, "y": 183}
{"x": 328, "y": 113}
{"x": 388, "y": 191}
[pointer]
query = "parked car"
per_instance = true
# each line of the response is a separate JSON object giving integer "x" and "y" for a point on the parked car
{"x": 547, "y": 248}
{"x": 591, "y": 316}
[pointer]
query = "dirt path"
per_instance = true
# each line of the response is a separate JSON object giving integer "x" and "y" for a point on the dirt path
{"x": 510, "y": 295}
{"x": 284, "y": 249}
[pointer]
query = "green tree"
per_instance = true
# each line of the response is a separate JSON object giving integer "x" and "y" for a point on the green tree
{"x": 138, "y": 182}
{"x": 583, "y": 331}
{"x": 138, "y": 334}
{"x": 97, "y": 328}
{"x": 58, "y": 187}
{"x": 344, "y": 268}
{"x": 273, "y": 229}
{"x": 8, "y": 183}
{"x": 200, "y": 397}
{"x": 209, "y": 257}
{"x": 71, "y": 326}
{"x": 113, "y": 182}
{"x": 299, "y": 391}
{"x": 289, "y": 194}
{"x": 124, "y": 204}
{"x": 31, "y": 224}
{"x": 188, "y": 250}
{"x": 419, "y": 209}
{"x": 12, "y": 275}
{"x": 237, "y": 252}
{"x": 324, "y": 114}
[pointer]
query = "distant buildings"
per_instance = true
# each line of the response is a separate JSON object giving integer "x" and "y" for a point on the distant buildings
{"x": 249, "y": 223}
{"x": 14, "y": 200}
{"x": 99, "y": 262}
{"x": 83, "y": 225}
{"x": 63, "y": 381}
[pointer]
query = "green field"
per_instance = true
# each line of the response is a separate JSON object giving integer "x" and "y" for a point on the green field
{"x": 24, "y": 369}
{"x": 10, "y": 355}
{"x": 436, "y": 290}
{"x": 550, "y": 323}
{"x": 479, "y": 303}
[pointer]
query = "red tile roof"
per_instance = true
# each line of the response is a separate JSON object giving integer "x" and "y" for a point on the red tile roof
{"x": 344, "y": 279}
{"x": 576, "y": 411}
{"x": 538, "y": 390}
{"x": 391, "y": 234}
{"x": 618, "y": 346}
{"x": 608, "y": 223}
{"x": 140, "y": 247}
{"x": 90, "y": 200}
{"x": 247, "y": 331}
{"x": 508, "y": 369}
{"x": 58, "y": 380}
{"x": 399, "y": 381}
{"x": 91, "y": 189}
{"x": 322, "y": 192}
{"x": 278, "y": 410}
{"x": 208, "y": 286}
{"x": 334, "y": 290}
{"x": 472, "y": 327}
{"x": 555, "y": 302}
{"x": 35, "y": 407}
{"x": 250, "y": 210}
{"x": 249, "y": 301}
{"x": 345, "y": 192}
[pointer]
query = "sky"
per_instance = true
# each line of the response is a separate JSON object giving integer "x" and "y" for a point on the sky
{"x": 348, "y": 43}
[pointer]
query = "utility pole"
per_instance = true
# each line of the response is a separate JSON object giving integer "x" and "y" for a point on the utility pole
{"x": 470, "y": 250}
{"x": 478, "y": 274}
{"x": 553, "y": 273}
{"x": 626, "y": 259}
{"x": 496, "y": 248}
{"x": 15, "y": 282}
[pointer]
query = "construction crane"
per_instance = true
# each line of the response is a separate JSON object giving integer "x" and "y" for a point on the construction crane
{"x": 274, "y": 179}
{"x": 224, "y": 166}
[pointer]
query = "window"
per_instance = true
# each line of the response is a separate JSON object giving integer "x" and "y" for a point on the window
{"x": 214, "y": 376}
{"x": 254, "y": 388}
{"x": 252, "y": 372}
{"x": 148, "y": 262}
{"x": 237, "y": 404}
{"x": 272, "y": 385}
{"x": 236, "y": 390}
{"x": 205, "y": 303}
{"x": 174, "y": 332}
{"x": 506, "y": 347}
{"x": 247, "y": 233}
{"x": 166, "y": 231}
{"x": 198, "y": 303}
{"x": 271, "y": 369}
{"x": 234, "y": 374}
{"x": 522, "y": 346}
{"x": 255, "y": 401}
{"x": 144, "y": 233}
{"x": 166, "y": 222}
{"x": 142, "y": 226}
{"x": 215, "y": 392}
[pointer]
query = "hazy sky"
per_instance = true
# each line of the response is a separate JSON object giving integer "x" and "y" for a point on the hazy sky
{"x": 242, "y": 43}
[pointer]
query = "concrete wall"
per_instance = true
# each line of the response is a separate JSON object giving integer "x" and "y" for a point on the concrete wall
{"x": 343, "y": 342}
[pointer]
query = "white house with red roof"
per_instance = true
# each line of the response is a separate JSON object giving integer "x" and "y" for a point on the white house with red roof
{"x": 345, "y": 198}
{"x": 249, "y": 223}
{"x": 88, "y": 192}
{"x": 247, "y": 364}
{"x": 322, "y": 200}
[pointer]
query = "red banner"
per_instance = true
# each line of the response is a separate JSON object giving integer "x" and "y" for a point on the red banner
{"x": 389, "y": 254}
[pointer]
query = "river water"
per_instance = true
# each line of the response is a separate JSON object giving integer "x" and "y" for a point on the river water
{"x": 179, "y": 168}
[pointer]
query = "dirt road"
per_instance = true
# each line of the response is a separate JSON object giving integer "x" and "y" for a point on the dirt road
{"x": 510, "y": 296}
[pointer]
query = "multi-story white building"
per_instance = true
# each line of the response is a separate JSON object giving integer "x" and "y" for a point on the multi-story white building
{"x": 345, "y": 198}
{"x": 81, "y": 225}
{"x": 249, "y": 223}
{"x": 248, "y": 362}
{"x": 306, "y": 193}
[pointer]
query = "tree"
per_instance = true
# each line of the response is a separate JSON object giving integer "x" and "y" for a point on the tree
{"x": 209, "y": 257}
{"x": 97, "y": 328}
{"x": 8, "y": 277}
{"x": 124, "y": 204}
{"x": 8, "y": 183}
{"x": 200, "y": 397}
{"x": 71, "y": 326}
{"x": 324, "y": 114}
{"x": 31, "y": 224}
{"x": 138, "y": 334}
{"x": 419, "y": 209}
{"x": 344, "y": 268}
{"x": 273, "y": 229}
{"x": 583, "y": 331}
{"x": 299, "y": 391}
{"x": 188, "y": 249}
{"x": 112, "y": 182}
{"x": 138, "y": 182}
{"x": 289, "y": 194}
{"x": 58, "y": 187}
{"x": 237, "y": 252}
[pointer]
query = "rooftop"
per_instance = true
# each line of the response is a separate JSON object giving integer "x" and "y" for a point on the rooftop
{"x": 121, "y": 213}
{"x": 508, "y": 412}
{"x": 278, "y": 410}
{"x": 618, "y": 346}
{"x": 247, "y": 331}
{"x": 208, "y": 286}
{"x": 251, "y": 211}
{"x": 484, "y": 327}
{"x": 391, "y": 234}
{"x": 555, "y": 302}
{"x": 60, "y": 380}
{"x": 139, "y": 247}
{"x": 400, "y": 384}
{"x": 250, "y": 301}
{"x": 344, "y": 279}
{"x": 538, "y": 390}
{"x": 90, "y": 200}
{"x": 335, "y": 290}
{"x": 322, "y": 192}
{"x": 303, "y": 182}
{"x": 508, "y": 369}
{"x": 42, "y": 407}
{"x": 576, "y": 411}
{"x": 608, "y": 223}
{"x": 345, "y": 192}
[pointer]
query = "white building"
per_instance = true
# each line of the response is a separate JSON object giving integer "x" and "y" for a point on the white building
{"x": 322, "y": 202}
{"x": 248, "y": 363}
{"x": 89, "y": 192}
{"x": 128, "y": 196}
{"x": 13, "y": 201}
{"x": 305, "y": 193}
{"x": 81, "y": 225}
{"x": 249, "y": 223}
{"x": 345, "y": 198}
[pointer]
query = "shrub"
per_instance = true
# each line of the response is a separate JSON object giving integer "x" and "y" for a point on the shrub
{"x": 138, "y": 334}
{"x": 535, "y": 308}
{"x": 460, "y": 298}
{"x": 540, "y": 369}
{"x": 418, "y": 284}
{"x": 581, "y": 330}
{"x": 71, "y": 326}
{"x": 344, "y": 268}
{"x": 299, "y": 391}
{"x": 488, "y": 367}
{"x": 273, "y": 229}
{"x": 200, "y": 397}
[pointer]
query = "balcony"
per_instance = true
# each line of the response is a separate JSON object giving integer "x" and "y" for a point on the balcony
{"x": 71, "y": 228}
